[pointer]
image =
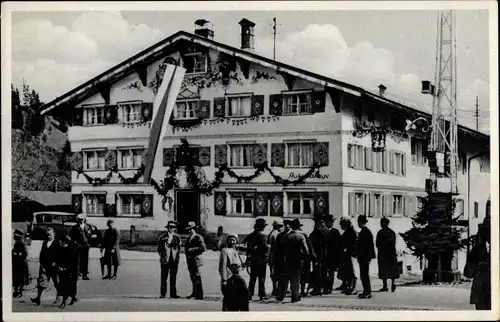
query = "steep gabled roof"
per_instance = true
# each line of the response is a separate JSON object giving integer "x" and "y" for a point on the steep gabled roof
{"x": 152, "y": 53}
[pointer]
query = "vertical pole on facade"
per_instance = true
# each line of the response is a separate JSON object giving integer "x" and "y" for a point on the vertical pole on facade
{"x": 274, "y": 38}
{"x": 476, "y": 114}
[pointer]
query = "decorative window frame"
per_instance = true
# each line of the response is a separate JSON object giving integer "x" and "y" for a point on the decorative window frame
{"x": 194, "y": 73}
{"x": 129, "y": 148}
{"x": 121, "y": 118}
{"x": 94, "y": 106}
{"x": 187, "y": 101}
{"x": 285, "y": 94}
{"x": 119, "y": 195}
{"x": 298, "y": 141}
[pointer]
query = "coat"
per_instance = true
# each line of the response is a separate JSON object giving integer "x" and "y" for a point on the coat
{"x": 295, "y": 248}
{"x": 20, "y": 272}
{"x": 348, "y": 241}
{"x": 257, "y": 247}
{"x": 80, "y": 237}
{"x": 319, "y": 242}
{"x": 235, "y": 294}
{"x": 174, "y": 246}
{"x": 365, "y": 249}
{"x": 111, "y": 241}
{"x": 279, "y": 250}
{"x": 194, "y": 247}
{"x": 48, "y": 255}
{"x": 271, "y": 240}
{"x": 67, "y": 264}
{"x": 387, "y": 257}
{"x": 481, "y": 283}
{"x": 333, "y": 248}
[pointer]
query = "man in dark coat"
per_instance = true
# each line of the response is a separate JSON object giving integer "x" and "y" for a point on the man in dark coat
{"x": 278, "y": 254}
{"x": 365, "y": 252}
{"x": 194, "y": 247}
{"x": 169, "y": 248}
{"x": 257, "y": 257}
{"x": 271, "y": 240}
{"x": 480, "y": 260}
{"x": 333, "y": 254}
{"x": 235, "y": 291}
{"x": 294, "y": 252}
{"x": 19, "y": 264}
{"x": 80, "y": 235}
{"x": 111, "y": 248}
{"x": 306, "y": 276}
{"x": 49, "y": 252}
{"x": 319, "y": 242}
{"x": 67, "y": 265}
{"x": 348, "y": 251}
{"x": 387, "y": 257}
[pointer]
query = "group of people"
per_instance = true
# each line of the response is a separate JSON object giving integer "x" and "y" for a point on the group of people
{"x": 63, "y": 261}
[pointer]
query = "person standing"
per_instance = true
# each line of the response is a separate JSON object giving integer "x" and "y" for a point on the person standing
{"x": 387, "y": 258}
{"x": 80, "y": 235}
{"x": 348, "y": 251}
{"x": 235, "y": 291}
{"x": 19, "y": 264}
{"x": 271, "y": 240}
{"x": 365, "y": 251}
{"x": 169, "y": 248}
{"x": 294, "y": 252}
{"x": 48, "y": 270}
{"x": 228, "y": 256}
{"x": 110, "y": 247}
{"x": 305, "y": 276}
{"x": 67, "y": 265}
{"x": 194, "y": 247}
{"x": 257, "y": 257}
{"x": 333, "y": 253}
{"x": 319, "y": 243}
{"x": 479, "y": 260}
{"x": 278, "y": 255}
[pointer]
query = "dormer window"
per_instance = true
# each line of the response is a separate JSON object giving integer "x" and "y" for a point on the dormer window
{"x": 186, "y": 110}
{"x": 195, "y": 63}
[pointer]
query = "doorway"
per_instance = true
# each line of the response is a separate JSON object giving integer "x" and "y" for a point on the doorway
{"x": 187, "y": 208}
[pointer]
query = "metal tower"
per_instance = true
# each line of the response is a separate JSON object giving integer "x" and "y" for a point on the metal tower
{"x": 444, "y": 108}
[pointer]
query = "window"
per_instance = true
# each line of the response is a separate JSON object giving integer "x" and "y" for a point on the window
{"x": 379, "y": 161}
{"x": 186, "y": 110}
{"x": 94, "y": 204}
{"x": 359, "y": 203}
{"x": 418, "y": 151}
{"x": 300, "y": 203}
{"x": 397, "y": 205}
{"x": 195, "y": 63}
{"x": 241, "y": 155}
{"x": 397, "y": 164}
{"x": 94, "y": 160}
{"x": 377, "y": 208}
{"x": 299, "y": 154}
{"x": 240, "y": 106}
{"x": 297, "y": 103}
{"x": 130, "y": 158}
{"x": 130, "y": 112}
{"x": 130, "y": 204}
{"x": 356, "y": 157}
{"x": 93, "y": 115}
{"x": 242, "y": 203}
{"x": 476, "y": 209}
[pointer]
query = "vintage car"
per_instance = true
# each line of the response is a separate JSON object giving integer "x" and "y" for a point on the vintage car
{"x": 61, "y": 222}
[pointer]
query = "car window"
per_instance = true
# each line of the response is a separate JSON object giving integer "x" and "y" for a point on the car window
{"x": 47, "y": 218}
{"x": 57, "y": 219}
{"x": 69, "y": 219}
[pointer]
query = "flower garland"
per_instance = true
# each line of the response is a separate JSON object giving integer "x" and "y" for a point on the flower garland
{"x": 101, "y": 181}
{"x": 191, "y": 125}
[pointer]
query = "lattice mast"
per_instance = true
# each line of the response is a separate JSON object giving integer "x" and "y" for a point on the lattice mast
{"x": 444, "y": 107}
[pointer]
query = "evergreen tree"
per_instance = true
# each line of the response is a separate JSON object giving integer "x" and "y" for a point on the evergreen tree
{"x": 17, "y": 113}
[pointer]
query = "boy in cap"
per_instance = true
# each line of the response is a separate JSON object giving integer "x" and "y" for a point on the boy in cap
{"x": 19, "y": 264}
{"x": 235, "y": 291}
{"x": 80, "y": 235}
{"x": 194, "y": 247}
{"x": 271, "y": 240}
{"x": 257, "y": 255}
{"x": 169, "y": 247}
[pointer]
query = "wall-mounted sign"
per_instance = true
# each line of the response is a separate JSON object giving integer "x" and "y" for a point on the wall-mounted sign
{"x": 315, "y": 175}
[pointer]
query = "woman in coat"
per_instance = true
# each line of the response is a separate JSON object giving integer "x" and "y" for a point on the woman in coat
{"x": 111, "y": 248}
{"x": 480, "y": 258}
{"x": 228, "y": 256}
{"x": 387, "y": 256}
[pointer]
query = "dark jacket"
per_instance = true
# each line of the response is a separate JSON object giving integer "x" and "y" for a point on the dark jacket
{"x": 235, "y": 294}
{"x": 333, "y": 248}
{"x": 312, "y": 253}
{"x": 111, "y": 241}
{"x": 348, "y": 242}
{"x": 20, "y": 270}
{"x": 68, "y": 259}
{"x": 319, "y": 241}
{"x": 295, "y": 248}
{"x": 387, "y": 257}
{"x": 279, "y": 250}
{"x": 48, "y": 255}
{"x": 80, "y": 237}
{"x": 257, "y": 247}
{"x": 195, "y": 246}
{"x": 174, "y": 246}
{"x": 365, "y": 249}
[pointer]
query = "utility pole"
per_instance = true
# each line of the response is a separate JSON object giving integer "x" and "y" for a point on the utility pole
{"x": 274, "y": 38}
{"x": 476, "y": 114}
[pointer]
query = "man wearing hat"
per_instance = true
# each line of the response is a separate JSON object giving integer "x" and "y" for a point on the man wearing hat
{"x": 278, "y": 254}
{"x": 19, "y": 264}
{"x": 257, "y": 257}
{"x": 80, "y": 235}
{"x": 294, "y": 251}
{"x": 319, "y": 241}
{"x": 110, "y": 247}
{"x": 169, "y": 247}
{"x": 333, "y": 253}
{"x": 365, "y": 251}
{"x": 271, "y": 240}
{"x": 194, "y": 247}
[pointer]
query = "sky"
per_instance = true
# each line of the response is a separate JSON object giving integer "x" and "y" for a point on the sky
{"x": 54, "y": 52}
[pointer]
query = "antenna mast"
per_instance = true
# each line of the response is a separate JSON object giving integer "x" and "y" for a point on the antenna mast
{"x": 476, "y": 114}
{"x": 274, "y": 38}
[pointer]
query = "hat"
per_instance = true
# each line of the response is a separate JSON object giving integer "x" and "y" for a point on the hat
{"x": 191, "y": 225}
{"x": 296, "y": 223}
{"x": 329, "y": 218}
{"x": 172, "y": 224}
{"x": 287, "y": 222}
{"x": 18, "y": 233}
{"x": 260, "y": 223}
{"x": 362, "y": 219}
{"x": 81, "y": 216}
{"x": 277, "y": 223}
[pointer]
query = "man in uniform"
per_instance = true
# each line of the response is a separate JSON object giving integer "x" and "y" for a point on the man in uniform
{"x": 271, "y": 240}
{"x": 169, "y": 246}
{"x": 194, "y": 247}
{"x": 294, "y": 252}
{"x": 319, "y": 241}
{"x": 333, "y": 252}
{"x": 80, "y": 235}
{"x": 257, "y": 255}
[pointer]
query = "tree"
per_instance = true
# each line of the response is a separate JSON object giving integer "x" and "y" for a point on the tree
{"x": 17, "y": 114}
{"x": 435, "y": 236}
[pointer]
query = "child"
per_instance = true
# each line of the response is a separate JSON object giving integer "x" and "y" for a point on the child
{"x": 235, "y": 291}
{"x": 19, "y": 264}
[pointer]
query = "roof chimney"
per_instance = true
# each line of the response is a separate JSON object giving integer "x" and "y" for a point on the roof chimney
{"x": 381, "y": 89}
{"x": 247, "y": 36}
{"x": 204, "y": 28}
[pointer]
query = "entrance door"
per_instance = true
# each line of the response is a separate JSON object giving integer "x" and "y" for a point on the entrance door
{"x": 187, "y": 208}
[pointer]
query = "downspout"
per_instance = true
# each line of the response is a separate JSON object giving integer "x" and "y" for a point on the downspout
{"x": 468, "y": 196}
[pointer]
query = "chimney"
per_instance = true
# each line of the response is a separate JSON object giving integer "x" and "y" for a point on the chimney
{"x": 247, "y": 36}
{"x": 381, "y": 89}
{"x": 204, "y": 28}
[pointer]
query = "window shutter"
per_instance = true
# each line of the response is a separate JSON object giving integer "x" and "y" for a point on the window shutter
{"x": 76, "y": 160}
{"x": 147, "y": 205}
{"x": 77, "y": 116}
{"x": 259, "y": 153}
{"x": 351, "y": 205}
{"x": 276, "y": 203}
{"x": 368, "y": 158}
{"x": 275, "y": 104}
{"x": 350, "y": 158}
{"x": 168, "y": 157}
{"x": 204, "y": 156}
{"x": 321, "y": 205}
{"x": 260, "y": 204}
{"x": 220, "y": 155}
{"x": 219, "y": 107}
{"x": 391, "y": 162}
{"x": 204, "y": 109}
{"x": 220, "y": 203}
{"x": 277, "y": 154}
{"x": 77, "y": 203}
{"x": 318, "y": 102}
{"x": 110, "y": 114}
{"x": 321, "y": 153}
{"x": 147, "y": 112}
{"x": 110, "y": 159}
{"x": 257, "y": 105}
{"x": 403, "y": 166}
